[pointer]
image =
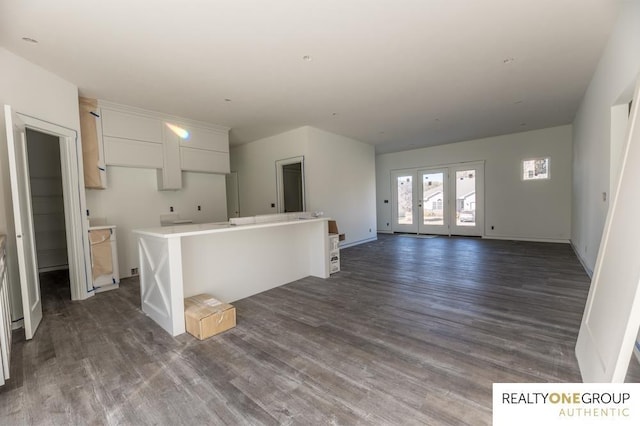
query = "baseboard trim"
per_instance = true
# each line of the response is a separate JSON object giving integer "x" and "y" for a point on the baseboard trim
{"x": 581, "y": 260}
{"x": 533, "y": 240}
{"x": 355, "y": 243}
{"x": 17, "y": 324}
{"x": 384, "y": 232}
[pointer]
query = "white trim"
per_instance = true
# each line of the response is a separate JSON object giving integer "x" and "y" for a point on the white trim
{"x": 533, "y": 240}
{"x": 158, "y": 115}
{"x": 582, "y": 261}
{"x": 357, "y": 243}
{"x": 76, "y": 225}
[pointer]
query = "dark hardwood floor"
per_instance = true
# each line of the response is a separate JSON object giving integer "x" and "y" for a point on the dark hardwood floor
{"x": 411, "y": 331}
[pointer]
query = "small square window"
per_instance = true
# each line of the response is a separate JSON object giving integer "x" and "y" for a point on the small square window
{"x": 536, "y": 169}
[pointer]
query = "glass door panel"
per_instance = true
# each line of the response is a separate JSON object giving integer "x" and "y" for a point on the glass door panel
{"x": 404, "y": 191}
{"x": 433, "y": 202}
{"x": 467, "y": 193}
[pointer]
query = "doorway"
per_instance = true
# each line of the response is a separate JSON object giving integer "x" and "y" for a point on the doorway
{"x": 76, "y": 224}
{"x": 290, "y": 185}
{"x": 445, "y": 200}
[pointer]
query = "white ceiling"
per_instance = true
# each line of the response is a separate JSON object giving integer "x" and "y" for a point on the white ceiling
{"x": 398, "y": 74}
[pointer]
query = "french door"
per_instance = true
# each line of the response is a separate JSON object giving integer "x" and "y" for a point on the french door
{"x": 443, "y": 201}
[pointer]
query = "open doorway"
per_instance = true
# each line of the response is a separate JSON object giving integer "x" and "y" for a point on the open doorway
{"x": 290, "y": 183}
{"x": 47, "y": 201}
{"x": 76, "y": 225}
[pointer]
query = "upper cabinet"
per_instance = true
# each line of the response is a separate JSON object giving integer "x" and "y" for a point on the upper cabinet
{"x": 132, "y": 137}
{"x": 95, "y": 175}
{"x": 205, "y": 150}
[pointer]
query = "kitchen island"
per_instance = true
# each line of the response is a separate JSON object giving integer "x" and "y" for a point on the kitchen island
{"x": 229, "y": 262}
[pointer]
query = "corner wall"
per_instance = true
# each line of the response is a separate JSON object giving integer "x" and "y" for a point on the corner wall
{"x": 612, "y": 84}
{"x": 536, "y": 210}
{"x": 33, "y": 91}
{"x": 339, "y": 177}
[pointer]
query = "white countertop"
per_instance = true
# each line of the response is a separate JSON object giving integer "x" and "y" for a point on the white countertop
{"x": 212, "y": 228}
{"x": 97, "y": 228}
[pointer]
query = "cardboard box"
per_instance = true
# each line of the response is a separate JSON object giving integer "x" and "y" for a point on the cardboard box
{"x": 206, "y": 316}
{"x": 333, "y": 229}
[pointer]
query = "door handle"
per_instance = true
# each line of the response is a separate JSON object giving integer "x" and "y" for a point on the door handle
{"x": 18, "y": 236}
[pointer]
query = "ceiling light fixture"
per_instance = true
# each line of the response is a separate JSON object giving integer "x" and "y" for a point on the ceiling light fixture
{"x": 30, "y": 40}
{"x": 508, "y": 60}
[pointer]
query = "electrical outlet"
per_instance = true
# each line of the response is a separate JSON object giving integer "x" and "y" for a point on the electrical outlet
{"x": 369, "y": 229}
{"x": 387, "y": 223}
{"x": 199, "y": 208}
{"x": 171, "y": 209}
{"x": 493, "y": 227}
{"x": 134, "y": 271}
{"x": 273, "y": 205}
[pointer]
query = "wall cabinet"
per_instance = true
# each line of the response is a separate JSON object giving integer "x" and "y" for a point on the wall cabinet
{"x": 95, "y": 170}
{"x": 131, "y": 137}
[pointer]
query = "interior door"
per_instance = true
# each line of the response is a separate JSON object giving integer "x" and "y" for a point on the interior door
{"x": 433, "y": 202}
{"x": 23, "y": 218}
{"x": 467, "y": 197}
{"x": 612, "y": 314}
{"x": 403, "y": 202}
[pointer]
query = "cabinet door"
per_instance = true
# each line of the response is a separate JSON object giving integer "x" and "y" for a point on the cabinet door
{"x": 126, "y": 125}
{"x": 95, "y": 175}
{"x": 124, "y": 152}
{"x": 200, "y": 160}
{"x": 207, "y": 139}
{"x": 170, "y": 176}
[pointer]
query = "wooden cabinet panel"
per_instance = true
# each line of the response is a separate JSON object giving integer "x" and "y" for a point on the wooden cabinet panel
{"x": 124, "y": 152}
{"x": 131, "y": 126}
{"x": 95, "y": 175}
{"x": 200, "y": 160}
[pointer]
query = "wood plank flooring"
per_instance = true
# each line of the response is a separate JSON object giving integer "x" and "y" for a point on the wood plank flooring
{"x": 411, "y": 331}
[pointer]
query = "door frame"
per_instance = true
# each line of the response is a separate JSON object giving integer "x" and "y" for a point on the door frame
{"x": 280, "y": 181}
{"x": 450, "y": 196}
{"x": 76, "y": 223}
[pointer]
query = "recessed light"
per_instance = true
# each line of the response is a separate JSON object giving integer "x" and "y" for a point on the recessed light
{"x": 334, "y": 114}
{"x": 381, "y": 133}
{"x": 306, "y": 58}
{"x": 30, "y": 40}
{"x": 518, "y": 102}
{"x": 508, "y": 60}
{"x": 523, "y": 124}
{"x": 227, "y": 100}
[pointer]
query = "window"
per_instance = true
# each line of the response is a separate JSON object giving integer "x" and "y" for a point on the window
{"x": 536, "y": 169}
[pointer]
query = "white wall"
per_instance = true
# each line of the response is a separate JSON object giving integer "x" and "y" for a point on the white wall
{"x": 341, "y": 183}
{"x": 255, "y": 163}
{"x": 537, "y": 210}
{"x": 595, "y": 155}
{"x": 33, "y": 91}
{"x": 132, "y": 201}
{"x": 339, "y": 177}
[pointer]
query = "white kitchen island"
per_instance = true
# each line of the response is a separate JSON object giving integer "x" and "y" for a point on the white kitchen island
{"x": 229, "y": 262}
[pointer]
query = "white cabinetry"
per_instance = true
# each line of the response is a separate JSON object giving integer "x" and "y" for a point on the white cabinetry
{"x": 139, "y": 138}
{"x": 131, "y": 140}
{"x": 205, "y": 150}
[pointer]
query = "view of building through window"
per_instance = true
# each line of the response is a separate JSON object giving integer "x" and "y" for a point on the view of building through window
{"x": 537, "y": 168}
